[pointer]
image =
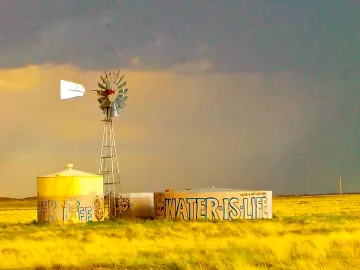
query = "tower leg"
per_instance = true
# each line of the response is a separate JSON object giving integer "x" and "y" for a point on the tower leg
{"x": 109, "y": 167}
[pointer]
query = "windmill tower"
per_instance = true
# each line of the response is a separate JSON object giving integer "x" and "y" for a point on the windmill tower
{"x": 112, "y": 96}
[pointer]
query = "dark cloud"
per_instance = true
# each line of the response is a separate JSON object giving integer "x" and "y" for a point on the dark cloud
{"x": 311, "y": 37}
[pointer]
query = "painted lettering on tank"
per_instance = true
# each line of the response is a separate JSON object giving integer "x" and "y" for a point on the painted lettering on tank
{"x": 244, "y": 206}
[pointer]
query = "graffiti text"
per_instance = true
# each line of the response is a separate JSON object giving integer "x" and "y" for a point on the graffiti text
{"x": 253, "y": 207}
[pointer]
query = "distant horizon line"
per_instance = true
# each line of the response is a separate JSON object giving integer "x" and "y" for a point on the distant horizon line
{"x": 2, "y": 199}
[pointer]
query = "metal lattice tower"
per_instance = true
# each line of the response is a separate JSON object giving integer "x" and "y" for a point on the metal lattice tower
{"x": 109, "y": 166}
{"x": 112, "y": 96}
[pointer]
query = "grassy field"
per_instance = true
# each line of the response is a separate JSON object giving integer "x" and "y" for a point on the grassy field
{"x": 320, "y": 232}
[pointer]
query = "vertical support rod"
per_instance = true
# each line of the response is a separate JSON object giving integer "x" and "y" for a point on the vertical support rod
{"x": 340, "y": 185}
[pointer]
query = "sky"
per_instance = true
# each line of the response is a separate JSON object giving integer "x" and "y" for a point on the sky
{"x": 260, "y": 95}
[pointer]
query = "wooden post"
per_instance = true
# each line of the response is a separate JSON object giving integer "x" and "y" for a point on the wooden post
{"x": 340, "y": 184}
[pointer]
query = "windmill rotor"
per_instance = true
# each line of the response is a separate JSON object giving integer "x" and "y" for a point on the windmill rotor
{"x": 112, "y": 93}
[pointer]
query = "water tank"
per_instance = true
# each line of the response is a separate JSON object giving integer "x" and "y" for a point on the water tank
{"x": 213, "y": 204}
{"x": 70, "y": 196}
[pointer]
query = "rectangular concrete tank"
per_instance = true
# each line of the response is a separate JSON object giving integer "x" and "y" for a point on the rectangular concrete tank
{"x": 135, "y": 205}
{"x": 213, "y": 204}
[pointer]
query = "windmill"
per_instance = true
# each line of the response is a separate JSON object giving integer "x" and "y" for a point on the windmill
{"x": 112, "y": 96}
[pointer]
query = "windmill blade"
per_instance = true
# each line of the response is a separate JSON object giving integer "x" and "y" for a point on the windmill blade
{"x": 120, "y": 103}
{"x": 121, "y": 78}
{"x": 114, "y": 110}
{"x": 123, "y": 91}
{"x": 104, "y": 104}
{"x": 104, "y": 79}
{"x": 122, "y": 97}
{"x": 101, "y": 86}
{"x": 108, "y": 85}
{"x": 71, "y": 90}
{"x": 114, "y": 113}
{"x": 101, "y": 99}
{"x": 106, "y": 75}
{"x": 121, "y": 85}
{"x": 117, "y": 76}
{"x": 100, "y": 92}
{"x": 102, "y": 107}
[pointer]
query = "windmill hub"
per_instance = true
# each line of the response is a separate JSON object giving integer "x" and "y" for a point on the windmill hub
{"x": 111, "y": 95}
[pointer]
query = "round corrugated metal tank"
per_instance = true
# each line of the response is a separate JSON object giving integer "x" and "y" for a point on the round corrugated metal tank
{"x": 213, "y": 204}
{"x": 70, "y": 196}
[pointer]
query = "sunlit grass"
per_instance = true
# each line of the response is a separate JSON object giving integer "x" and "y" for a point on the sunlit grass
{"x": 16, "y": 212}
{"x": 307, "y": 233}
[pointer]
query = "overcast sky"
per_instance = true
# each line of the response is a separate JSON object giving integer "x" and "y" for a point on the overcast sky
{"x": 235, "y": 94}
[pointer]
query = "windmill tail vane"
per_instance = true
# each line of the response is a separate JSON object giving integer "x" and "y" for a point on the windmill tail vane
{"x": 71, "y": 90}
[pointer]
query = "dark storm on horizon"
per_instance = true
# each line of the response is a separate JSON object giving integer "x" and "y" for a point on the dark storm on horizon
{"x": 235, "y": 94}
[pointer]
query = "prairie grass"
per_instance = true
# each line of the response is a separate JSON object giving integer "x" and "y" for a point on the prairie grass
{"x": 307, "y": 232}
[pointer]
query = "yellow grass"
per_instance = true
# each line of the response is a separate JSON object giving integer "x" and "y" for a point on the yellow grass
{"x": 307, "y": 233}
